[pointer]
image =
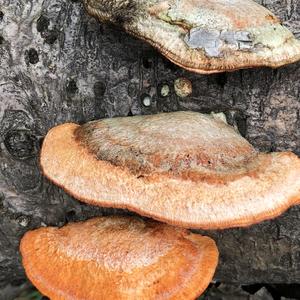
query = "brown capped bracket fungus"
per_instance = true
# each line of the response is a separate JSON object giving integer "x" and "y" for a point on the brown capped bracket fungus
{"x": 204, "y": 36}
{"x": 117, "y": 258}
{"x": 183, "y": 168}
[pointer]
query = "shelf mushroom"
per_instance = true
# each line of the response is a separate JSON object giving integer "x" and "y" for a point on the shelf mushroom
{"x": 183, "y": 168}
{"x": 118, "y": 258}
{"x": 204, "y": 36}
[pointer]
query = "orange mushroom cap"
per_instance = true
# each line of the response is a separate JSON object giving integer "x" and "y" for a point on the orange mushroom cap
{"x": 204, "y": 36}
{"x": 183, "y": 168}
{"x": 118, "y": 258}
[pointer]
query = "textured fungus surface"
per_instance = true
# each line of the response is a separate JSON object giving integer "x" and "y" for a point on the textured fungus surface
{"x": 87, "y": 71}
{"x": 204, "y": 36}
{"x": 183, "y": 168}
{"x": 119, "y": 258}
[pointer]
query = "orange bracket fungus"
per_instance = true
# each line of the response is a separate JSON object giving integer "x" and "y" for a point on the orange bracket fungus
{"x": 183, "y": 168}
{"x": 118, "y": 258}
{"x": 204, "y": 36}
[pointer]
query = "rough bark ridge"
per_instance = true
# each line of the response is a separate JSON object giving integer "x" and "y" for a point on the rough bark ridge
{"x": 58, "y": 65}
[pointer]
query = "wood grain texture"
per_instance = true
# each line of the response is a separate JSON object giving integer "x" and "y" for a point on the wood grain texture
{"x": 57, "y": 65}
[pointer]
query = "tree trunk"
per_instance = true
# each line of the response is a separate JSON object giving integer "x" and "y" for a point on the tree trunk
{"x": 60, "y": 65}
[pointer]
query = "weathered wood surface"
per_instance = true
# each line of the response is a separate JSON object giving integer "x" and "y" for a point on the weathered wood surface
{"x": 57, "y": 64}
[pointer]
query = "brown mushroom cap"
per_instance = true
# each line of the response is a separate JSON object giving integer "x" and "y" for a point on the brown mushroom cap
{"x": 184, "y": 168}
{"x": 118, "y": 258}
{"x": 204, "y": 36}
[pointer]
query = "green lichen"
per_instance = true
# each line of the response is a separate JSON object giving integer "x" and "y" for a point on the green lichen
{"x": 271, "y": 36}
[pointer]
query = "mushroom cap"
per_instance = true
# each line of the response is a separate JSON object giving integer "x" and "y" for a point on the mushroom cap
{"x": 205, "y": 36}
{"x": 118, "y": 258}
{"x": 183, "y": 168}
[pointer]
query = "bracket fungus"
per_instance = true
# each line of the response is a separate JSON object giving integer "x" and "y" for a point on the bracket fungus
{"x": 118, "y": 258}
{"x": 183, "y": 168}
{"x": 204, "y": 36}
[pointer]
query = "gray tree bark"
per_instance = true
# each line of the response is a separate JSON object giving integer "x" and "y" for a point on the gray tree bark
{"x": 57, "y": 64}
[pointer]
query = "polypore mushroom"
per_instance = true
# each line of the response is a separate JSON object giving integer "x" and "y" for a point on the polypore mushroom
{"x": 183, "y": 168}
{"x": 118, "y": 258}
{"x": 204, "y": 36}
